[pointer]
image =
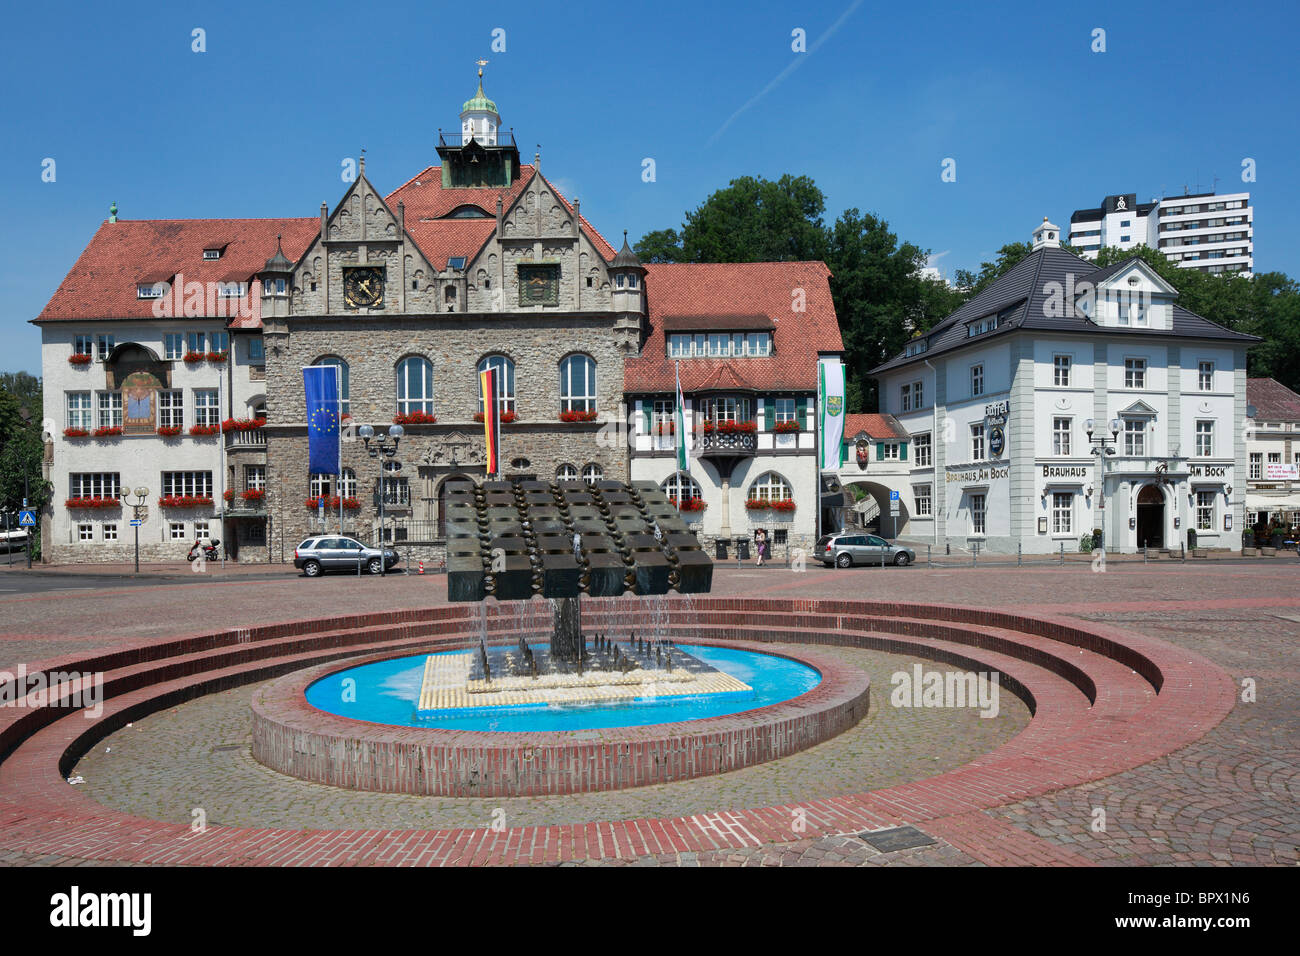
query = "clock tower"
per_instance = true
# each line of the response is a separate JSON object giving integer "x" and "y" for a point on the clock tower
{"x": 482, "y": 155}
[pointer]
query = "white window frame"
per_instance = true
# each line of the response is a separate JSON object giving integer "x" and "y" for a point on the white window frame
{"x": 409, "y": 400}
{"x": 192, "y": 483}
{"x": 1204, "y": 438}
{"x": 174, "y": 345}
{"x": 770, "y": 486}
{"x": 978, "y": 514}
{"x": 679, "y": 486}
{"x": 1205, "y": 508}
{"x": 207, "y": 408}
{"x": 1205, "y": 376}
{"x": 573, "y": 398}
{"x": 978, "y": 445}
{"x": 1256, "y": 466}
{"x": 176, "y": 531}
{"x": 977, "y": 380}
{"x": 94, "y": 484}
{"x": 1061, "y": 437}
{"x": 109, "y": 411}
{"x": 592, "y": 473}
{"x": 1062, "y": 513}
{"x": 1135, "y": 437}
{"x": 505, "y": 381}
{"x": 108, "y": 530}
{"x": 923, "y": 500}
{"x": 1061, "y": 370}
{"x": 1135, "y": 373}
{"x": 924, "y": 448}
{"x": 79, "y": 410}
{"x": 171, "y": 408}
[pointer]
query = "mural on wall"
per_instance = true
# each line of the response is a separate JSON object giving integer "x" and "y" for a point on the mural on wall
{"x": 862, "y": 449}
{"x": 140, "y": 402}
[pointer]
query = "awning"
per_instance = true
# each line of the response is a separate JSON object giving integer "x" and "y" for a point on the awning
{"x": 1265, "y": 503}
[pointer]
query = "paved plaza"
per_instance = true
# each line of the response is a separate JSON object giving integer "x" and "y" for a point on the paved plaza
{"x": 1227, "y": 796}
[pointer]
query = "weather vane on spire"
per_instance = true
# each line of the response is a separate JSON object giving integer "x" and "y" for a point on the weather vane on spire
{"x": 481, "y": 63}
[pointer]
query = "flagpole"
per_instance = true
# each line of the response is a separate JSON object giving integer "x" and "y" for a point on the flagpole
{"x": 221, "y": 440}
{"x": 338, "y": 402}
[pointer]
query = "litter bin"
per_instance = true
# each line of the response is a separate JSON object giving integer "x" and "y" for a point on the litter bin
{"x": 742, "y": 549}
{"x": 720, "y": 550}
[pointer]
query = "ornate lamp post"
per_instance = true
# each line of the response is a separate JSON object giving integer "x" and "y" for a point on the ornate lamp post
{"x": 141, "y": 495}
{"x": 1103, "y": 447}
{"x": 383, "y": 450}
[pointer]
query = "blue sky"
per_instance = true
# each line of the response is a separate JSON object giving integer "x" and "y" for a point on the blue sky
{"x": 259, "y": 124}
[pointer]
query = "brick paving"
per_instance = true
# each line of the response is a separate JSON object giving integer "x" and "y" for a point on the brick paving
{"x": 1227, "y": 797}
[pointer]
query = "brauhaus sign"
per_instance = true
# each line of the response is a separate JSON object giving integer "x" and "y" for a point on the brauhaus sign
{"x": 980, "y": 474}
{"x": 1065, "y": 471}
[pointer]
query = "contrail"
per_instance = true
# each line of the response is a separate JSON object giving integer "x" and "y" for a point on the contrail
{"x": 780, "y": 77}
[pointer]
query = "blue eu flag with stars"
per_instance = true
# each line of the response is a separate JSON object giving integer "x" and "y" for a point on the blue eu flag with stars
{"x": 322, "y": 388}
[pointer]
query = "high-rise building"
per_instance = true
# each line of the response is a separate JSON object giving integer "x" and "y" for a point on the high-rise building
{"x": 1206, "y": 231}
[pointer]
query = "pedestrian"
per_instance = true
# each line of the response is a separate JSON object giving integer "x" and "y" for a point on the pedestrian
{"x": 760, "y": 547}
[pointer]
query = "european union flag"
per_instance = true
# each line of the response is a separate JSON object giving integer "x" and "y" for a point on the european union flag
{"x": 322, "y": 386}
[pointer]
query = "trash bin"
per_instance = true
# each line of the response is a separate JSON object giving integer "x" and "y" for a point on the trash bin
{"x": 720, "y": 552}
{"x": 1096, "y": 539}
{"x": 742, "y": 549}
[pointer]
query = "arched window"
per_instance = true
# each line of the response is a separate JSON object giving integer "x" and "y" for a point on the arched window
{"x": 592, "y": 473}
{"x": 344, "y": 385}
{"x": 348, "y": 483}
{"x": 578, "y": 384}
{"x": 414, "y": 385}
{"x": 566, "y": 472}
{"x": 770, "y": 487}
{"x": 505, "y": 381}
{"x": 681, "y": 487}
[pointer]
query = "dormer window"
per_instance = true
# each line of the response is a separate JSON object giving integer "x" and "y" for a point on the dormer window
{"x": 230, "y": 290}
{"x": 719, "y": 344}
{"x": 456, "y": 263}
{"x": 916, "y": 347}
{"x": 150, "y": 290}
{"x": 212, "y": 253}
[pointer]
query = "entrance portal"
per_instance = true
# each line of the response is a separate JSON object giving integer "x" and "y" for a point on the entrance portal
{"x": 1151, "y": 517}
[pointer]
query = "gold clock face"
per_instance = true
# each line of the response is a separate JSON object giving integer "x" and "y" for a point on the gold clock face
{"x": 363, "y": 288}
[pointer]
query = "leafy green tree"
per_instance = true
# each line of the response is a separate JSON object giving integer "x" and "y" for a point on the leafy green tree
{"x": 661, "y": 245}
{"x": 21, "y": 449}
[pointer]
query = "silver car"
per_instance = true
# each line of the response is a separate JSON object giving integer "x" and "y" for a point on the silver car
{"x": 847, "y": 548}
{"x": 337, "y": 552}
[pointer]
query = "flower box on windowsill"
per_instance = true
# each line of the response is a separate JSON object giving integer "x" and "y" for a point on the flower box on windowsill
{"x": 202, "y": 430}
{"x": 786, "y": 428}
{"x": 169, "y": 431}
{"x": 253, "y": 495}
{"x": 332, "y": 504}
{"x": 218, "y": 356}
{"x": 415, "y": 418}
{"x": 75, "y": 433}
{"x": 194, "y": 357}
{"x": 185, "y": 501}
{"x": 729, "y": 428}
{"x": 506, "y": 417}
{"x": 577, "y": 416}
{"x": 79, "y": 359}
{"x": 108, "y": 431}
{"x": 98, "y": 502}
{"x": 691, "y": 504}
{"x": 757, "y": 504}
{"x": 784, "y": 506}
{"x": 668, "y": 429}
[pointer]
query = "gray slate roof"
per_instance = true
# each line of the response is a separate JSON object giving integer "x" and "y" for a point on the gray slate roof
{"x": 1024, "y": 290}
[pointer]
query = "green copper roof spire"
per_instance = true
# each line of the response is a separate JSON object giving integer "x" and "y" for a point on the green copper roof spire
{"x": 112, "y": 212}
{"x": 479, "y": 100}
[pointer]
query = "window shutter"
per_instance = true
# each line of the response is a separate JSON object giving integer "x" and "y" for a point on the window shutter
{"x": 801, "y": 416}
{"x": 769, "y": 413}
{"x": 902, "y": 451}
{"x": 880, "y": 450}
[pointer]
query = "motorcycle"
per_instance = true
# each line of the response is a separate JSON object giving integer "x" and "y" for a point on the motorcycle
{"x": 208, "y": 549}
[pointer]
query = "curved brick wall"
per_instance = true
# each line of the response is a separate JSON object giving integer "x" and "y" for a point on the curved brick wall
{"x": 291, "y": 736}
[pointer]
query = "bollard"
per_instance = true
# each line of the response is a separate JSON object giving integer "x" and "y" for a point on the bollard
{"x": 928, "y": 562}
{"x": 1183, "y": 549}
{"x": 1018, "y": 554}
{"x": 421, "y": 567}
{"x": 1062, "y": 558}
{"x": 975, "y": 554}
{"x": 1145, "y": 557}
{"x": 882, "y": 553}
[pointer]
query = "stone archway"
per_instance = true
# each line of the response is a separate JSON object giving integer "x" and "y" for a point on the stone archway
{"x": 877, "y": 518}
{"x": 1150, "y": 517}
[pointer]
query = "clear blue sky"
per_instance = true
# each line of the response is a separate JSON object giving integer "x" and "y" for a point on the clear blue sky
{"x": 258, "y": 125}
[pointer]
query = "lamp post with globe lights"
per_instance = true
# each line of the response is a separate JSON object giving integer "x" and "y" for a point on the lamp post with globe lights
{"x": 141, "y": 495}
{"x": 1103, "y": 448}
{"x": 379, "y": 447}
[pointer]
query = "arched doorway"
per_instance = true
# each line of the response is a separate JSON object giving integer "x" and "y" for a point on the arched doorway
{"x": 1151, "y": 517}
{"x": 870, "y": 509}
{"x": 442, "y": 501}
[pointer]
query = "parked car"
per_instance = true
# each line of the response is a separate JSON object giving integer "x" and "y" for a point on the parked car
{"x": 332, "y": 552}
{"x": 847, "y": 548}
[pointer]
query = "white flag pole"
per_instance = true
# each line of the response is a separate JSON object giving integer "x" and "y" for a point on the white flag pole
{"x": 221, "y": 440}
{"x": 338, "y": 417}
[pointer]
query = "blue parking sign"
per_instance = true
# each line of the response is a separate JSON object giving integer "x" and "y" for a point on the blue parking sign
{"x": 893, "y": 496}
{"x": 27, "y": 519}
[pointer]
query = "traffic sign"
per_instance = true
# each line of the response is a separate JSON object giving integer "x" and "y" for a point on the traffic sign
{"x": 27, "y": 519}
{"x": 893, "y": 496}
{"x": 135, "y": 522}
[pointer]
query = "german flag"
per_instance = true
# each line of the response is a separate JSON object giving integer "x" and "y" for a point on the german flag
{"x": 487, "y": 380}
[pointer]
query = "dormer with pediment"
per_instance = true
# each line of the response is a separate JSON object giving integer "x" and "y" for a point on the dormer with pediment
{"x": 1130, "y": 295}
{"x": 540, "y": 258}
{"x": 364, "y": 262}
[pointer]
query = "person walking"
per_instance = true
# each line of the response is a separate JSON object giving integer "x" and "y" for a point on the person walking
{"x": 760, "y": 547}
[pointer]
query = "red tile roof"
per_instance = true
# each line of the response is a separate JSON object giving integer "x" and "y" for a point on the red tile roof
{"x": 1273, "y": 401}
{"x": 873, "y": 426}
{"x": 102, "y": 283}
{"x": 725, "y": 289}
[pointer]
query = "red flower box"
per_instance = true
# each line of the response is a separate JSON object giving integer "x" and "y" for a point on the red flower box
{"x": 415, "y": 418}
{"x": 243, "y": 424}
{"x": 78, "y": 358}
{"x": 332, "y": 504}
{"x": 203, "y": 429}
{"x": 228, "y": 494}
{"x": 253, "y": 494}
{"x": 577, "y": 416}
{"x": 730, "y": 428}
{"x": 108, "y": 431}
{"x": 193, "y": 357}
{"x": 667, "y": 429}
{"x": 757, "y": 504}
{"x": 785, "y": 428}
{"x": 506, "y": 417}
{"x": 184, "y": 501}
{"x": 691, "y": 504}
{"x": 75, "y": 433}
{"x": 218, "y": 356}
{"x": 169, "y": 431}
{"x": 93, "y": 503}
{"x": 783, "y": 506}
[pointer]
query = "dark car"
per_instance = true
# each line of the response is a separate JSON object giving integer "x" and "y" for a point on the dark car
{"x": 337, "y": 552}
{"x": 847, "y": 548}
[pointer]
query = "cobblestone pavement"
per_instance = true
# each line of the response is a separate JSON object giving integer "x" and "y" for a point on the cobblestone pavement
{"x": 1230, "y": 797}
{"x": 198, "y": 755}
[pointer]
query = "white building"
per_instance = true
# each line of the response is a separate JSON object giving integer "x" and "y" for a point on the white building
{"x": 1009, "y": 382}
{"x": 1213, "y": 233}
{"x": 1272, "y": 452}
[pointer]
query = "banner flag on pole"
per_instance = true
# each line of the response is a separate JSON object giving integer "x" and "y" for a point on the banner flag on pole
{"x": 491, "y": 418}
{"x": 321, "y": 385}
{"x": 830, "y": 411}
{"x": 683, "y": 450}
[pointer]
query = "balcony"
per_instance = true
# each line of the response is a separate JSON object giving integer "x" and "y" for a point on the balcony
{"x": 250, "y": 440}
{"x": 728, "y": 444}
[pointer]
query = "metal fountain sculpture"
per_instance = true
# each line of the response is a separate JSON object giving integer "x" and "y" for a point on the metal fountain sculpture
{"x": 514, "y": 540}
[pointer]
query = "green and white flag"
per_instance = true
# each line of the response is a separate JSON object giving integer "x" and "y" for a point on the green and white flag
{"x": 683, "y": 450}
{"x": 830, "y": 410}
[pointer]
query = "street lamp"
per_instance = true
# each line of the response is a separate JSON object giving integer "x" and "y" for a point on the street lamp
{"x": 141, "y": 495}
{"x": 382, "y": 449}
{"x": 1103, "y": 447}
